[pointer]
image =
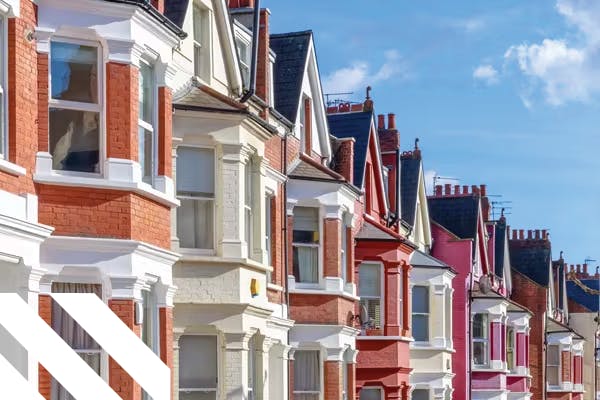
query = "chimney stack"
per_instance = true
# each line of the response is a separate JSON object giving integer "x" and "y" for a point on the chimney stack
{"x": 578, "y": 269}
{"x": 391, "y": 121}
{"x": 544, "y": 234}
{"x": 438, "y": 190}
{"x": 447, "y": 189}
{"x": 381, "y": 121}
{"x": 483, "y": 190}
{"x": 585, "y": 272}
{"x": 529, "y": 234}
{"x": 474, "y": 189}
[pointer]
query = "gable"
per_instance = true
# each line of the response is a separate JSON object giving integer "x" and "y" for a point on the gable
{"x": 375, "y": 196}
{"x": 421, "y": 234}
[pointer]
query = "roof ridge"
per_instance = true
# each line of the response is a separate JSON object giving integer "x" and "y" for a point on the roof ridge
{"x": 290, "y": 34}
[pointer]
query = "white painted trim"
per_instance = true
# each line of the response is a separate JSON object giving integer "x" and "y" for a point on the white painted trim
{"x": 10, "y": 8}
{"x": 11, "y": 168}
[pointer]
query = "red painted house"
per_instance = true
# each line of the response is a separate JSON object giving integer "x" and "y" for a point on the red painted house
{"x": 381, "y": 257}
{"x": 489, "y": 329}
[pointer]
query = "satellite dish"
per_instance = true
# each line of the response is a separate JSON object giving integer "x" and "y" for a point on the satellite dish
{"x": 485, "y": 285}
{"x": 363, "y": 315}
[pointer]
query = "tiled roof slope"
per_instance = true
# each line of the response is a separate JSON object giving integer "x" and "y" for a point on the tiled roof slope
{"x": 577, "y": 294}
{"x": 409, "y": 188}
{"x": 358, "y": 126}
{"x": 175, "y": 10}
{"x": 457, "y": 214}
{"x": 291, "y": 50}
{"x": 532, "y": 259}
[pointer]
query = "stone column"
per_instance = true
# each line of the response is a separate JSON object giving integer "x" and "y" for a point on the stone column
{"x": 277, "y": 373}
{"x": 437, "y": 315}
{"x": 177, "y": 333}
{"x": 407, "y": 299}
{"x": 235, "y": 374}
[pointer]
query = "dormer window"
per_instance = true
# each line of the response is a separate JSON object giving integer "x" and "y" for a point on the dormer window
{"x": 201, "y": 21}
{"x": 245, "y": 57}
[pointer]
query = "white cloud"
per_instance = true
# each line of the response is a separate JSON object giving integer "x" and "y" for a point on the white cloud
{"x": 564, "y": 71}
{"x": 486, "y": 73}
{"x": 360, "y": 74}
{"x": 471, "y": 25}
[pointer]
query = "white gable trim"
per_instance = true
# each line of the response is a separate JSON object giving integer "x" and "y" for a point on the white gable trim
{"x": 230, "y": 53}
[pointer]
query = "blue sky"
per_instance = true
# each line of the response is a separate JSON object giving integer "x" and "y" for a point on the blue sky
{"x": 503, "y": 93}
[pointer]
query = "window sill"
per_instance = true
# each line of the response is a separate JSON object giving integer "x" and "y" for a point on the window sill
{"x": 488, "y": 369}
{"x": 274, "y": 287}
{"x": 319, "y": 290}
{"x": 383, "y": 337}
{"x": 201, "y": 256}
{"x": 11, "y": 168}
{"x": 427, "y": 346}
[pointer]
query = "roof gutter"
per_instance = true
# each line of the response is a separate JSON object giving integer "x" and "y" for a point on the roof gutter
{"x": 253, "y": 66}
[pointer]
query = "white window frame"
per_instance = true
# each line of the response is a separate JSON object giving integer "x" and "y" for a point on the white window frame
{"x": 80, "y": 106}
{"x": 249, "y": 200}
{"x": 213, "y": 199}
{"x": 244, "y": 65}
{"x": 381, "y": 293}
{"x": 202, "y": 48}
{"x": 511, "y": 336}
{"x": 268, "y": 225}
{"x": 379, "y": 388}
{"x": 3, "y": 87}
{"x": 558, "y": 366}
{"x": 318, "y": 246}
{"x": 322, "y": 358}
{"x": 302, "y": 123}
{"x": 218, "y": 367}
{"x": 485, "y": 341}
{"x": 427, "y": 314}
{"x": 344, "y": 250}
{"x": 150, "y": 126}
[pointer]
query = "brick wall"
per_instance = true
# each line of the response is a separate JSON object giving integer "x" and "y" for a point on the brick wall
{"x": 122, "y": 111}
{"x": 166, "y": 339}
{"x": 332, "y": 243}
{"x": 103, "y": 213}
{"x": 344, "y": 159}
{"x": 533, "y": 296}
{"x": 165, "y": 131}
{"x": 159, "y": 5}
{"x": 333, "y": 379}
{"x": 320, "y": 309}
{"x": 44, "y": 377}
{"x": 566, "y": 363}
{"x": 262, "y": 67}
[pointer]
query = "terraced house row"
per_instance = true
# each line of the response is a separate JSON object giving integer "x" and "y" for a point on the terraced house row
{"x": 183, "y": 217}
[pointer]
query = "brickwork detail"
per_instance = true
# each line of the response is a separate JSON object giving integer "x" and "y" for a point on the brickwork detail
{"x": 320, "y": 309}
{"x": 333, "y": 379}
{"x": 332, "y": 246}
{"x": 165, "y": 131}
{"x": 122, "y": 111}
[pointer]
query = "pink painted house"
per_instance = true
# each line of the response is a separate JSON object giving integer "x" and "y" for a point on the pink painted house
{"x": 490, "y": 331}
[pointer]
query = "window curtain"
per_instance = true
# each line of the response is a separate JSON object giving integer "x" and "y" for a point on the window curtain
{"x": 73, "y": 334}
{"x": 308, "y": 260}
{"x": 306, "y": 375}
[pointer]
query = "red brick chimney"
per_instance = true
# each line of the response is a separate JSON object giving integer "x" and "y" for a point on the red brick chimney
{"x": 240, "y": 3}
{"x": 262, "y": 67}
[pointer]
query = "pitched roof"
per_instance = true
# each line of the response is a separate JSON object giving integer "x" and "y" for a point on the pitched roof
{"x": 577, "y": 294}
{"x": 457, "y": 214}
{"x": 358, "y": 126}
{"x": 147, "y": 6}
{"x": 291, "y": 50}
{"x": 500, "y": 242}
{"x": 370, "y": 231}
{"x": 409, "y": 188}
{"x": 531, "y": 259}
{"x": 175, "y": 10}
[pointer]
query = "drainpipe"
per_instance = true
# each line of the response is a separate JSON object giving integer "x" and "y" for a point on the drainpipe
{"x": 254, "y": 62}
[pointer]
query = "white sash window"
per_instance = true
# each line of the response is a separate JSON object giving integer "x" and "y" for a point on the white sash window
{"x": 307, "y": 375}
{"x": 198, "y": 367}
{"x": 306, "y": 244}
{"x": 370, "y": 292}
{"x": 146, "y": 122}
{"x": 480, "y": 340}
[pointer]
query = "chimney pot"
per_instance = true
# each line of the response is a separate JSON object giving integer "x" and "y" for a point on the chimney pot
{"x": 447, "y": 189}
{"x": 381, "y": 121}
{"x": 578, "y": 268}
{"x": 456, "y": 189}
{"x": 391, "y": 121}
{"x": 544, "y": 234}
{"x": 585, "y": 269}
{"x": 465, "y": 189}
{"x": 521, "y": 234}
{"x": 514, "y": 234}
{"x": 438, "y": 190}
{"x": 474, "y": 189}
{"x": 537, "y": 234}
{"x": 529, "y": 234}
{"x": 483, "y": 189}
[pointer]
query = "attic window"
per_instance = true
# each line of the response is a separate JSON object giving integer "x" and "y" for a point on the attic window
{"x": 244, "y": 54}
{"x": 201, "y": 21}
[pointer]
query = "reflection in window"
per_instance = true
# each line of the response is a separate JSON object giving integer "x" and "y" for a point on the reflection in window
{"x": 74, "y": 113}
{"x": 307, "y": 375}
{"x": 420, "y": 313}
{"x": 198, "y": 367}
{"x": 146, "y": 122}
{"x": 553, "y": 365}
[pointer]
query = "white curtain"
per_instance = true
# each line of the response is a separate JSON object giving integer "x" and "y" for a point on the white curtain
{"x": 307, "y": 375}
{"x": 195, "y": 224}
{"x": 308, "y": 262}
{"x": 73, "y": 334}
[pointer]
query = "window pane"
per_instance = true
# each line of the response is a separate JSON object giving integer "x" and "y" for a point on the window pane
{"x": 420, "y": 298}
{"x": 198, "y": 24}
{"x": 74, "y": 72}
{"x": 369, "y": 280}
{"x": 479, "y": 353}
{"x": 74, "y": 140}
{"x": 480, "y": 328}
{"x": 420, "y": 394}
{"x": 553, "y": 355}
{"x": 146, "y": 152}
{"x": 306, "y": 264}
{"x": 195, "y": 223}
{"x": 373, "y": 307}
{"x": 146, "y": 93}
{"x": 307, "y": 371}
{"x": 552, "y": 375}
{"x": 197, "y": 362}
{"x": 306, "y": 219}
{"x": 196, "y": 171}
{"x": 370, "y": 394}
{"x": 420, "y": 326}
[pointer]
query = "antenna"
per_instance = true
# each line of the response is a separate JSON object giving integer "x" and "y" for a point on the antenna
{"x": 442, "y": 178}
{"x": 331, "y": 102}
{"x": 500, "y": 204}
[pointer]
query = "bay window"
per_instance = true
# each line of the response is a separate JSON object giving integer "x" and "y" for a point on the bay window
{"x": 196, "y": 191}
{"x": 370, "y": 292}
{"x": 73, "y": 334}
{"x": 420, "y": 313}
{"x": 371, "y": 393}
{"x": 307, "y": 375}
{"x": 75, "y": 106}
{"x": 480, "y": 333}
{"x": 3, "y": 85}
{"x": 510, "y": 348}
{"x": 305, "y": 244}
{"x": 198, "y": 367}
{"x": 146, "y": 131}
{"x": 553, "y": 365}
{"x": 248, "y": 202}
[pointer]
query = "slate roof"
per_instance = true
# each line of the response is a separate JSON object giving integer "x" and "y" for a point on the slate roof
{"x": 175, "y": 10}
{"x": 575, "y": 293}
{"x": 291, "y": 50}
{"x": 358, "y": 126}
{"x": 409, "y": 188}
{"x": 304, "y": 169}
{"x": 500, "y": 242}
{"x": 370, "y": 231}
{"x": 531, "y": 260}
{"x": 456, "y": 214}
